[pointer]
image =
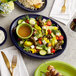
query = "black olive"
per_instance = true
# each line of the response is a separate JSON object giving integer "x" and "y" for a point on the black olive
{"x": 73, "y": 25}
{"x": 49, "y": 37}
{"x": 57, "y": 74}
{"x": 74, "y": 20}
{"x": 47, "y": 44}
{"x": 44, "y": 35}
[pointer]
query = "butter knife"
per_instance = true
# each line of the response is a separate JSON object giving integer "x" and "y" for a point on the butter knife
{"x": 6, "y": 61}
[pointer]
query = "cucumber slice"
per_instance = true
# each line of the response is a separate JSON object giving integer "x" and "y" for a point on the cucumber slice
{"x": 32, "y": 21}
{"x": 20, "y": 21}
{"x": 42, "y": 52}
{"x": 40, "y": 48}
{"x": 52, "y": 34}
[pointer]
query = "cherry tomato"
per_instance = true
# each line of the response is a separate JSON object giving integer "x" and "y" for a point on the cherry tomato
{"x": 27, "y": 21}
{"x": 49, "y": 31}
{"x": 52, "y": 50}
{"x": 61, "y": 37}
{"x": 40, "y": 38}
{"x": 49, "y": 23}
{"x": 40, "y": 42}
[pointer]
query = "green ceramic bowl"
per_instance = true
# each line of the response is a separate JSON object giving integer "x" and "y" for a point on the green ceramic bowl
{"x": 24, "y": 24}
{"x": 64, "y": 68}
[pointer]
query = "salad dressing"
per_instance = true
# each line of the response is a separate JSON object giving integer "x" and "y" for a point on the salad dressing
{"x": 24, "y": 31}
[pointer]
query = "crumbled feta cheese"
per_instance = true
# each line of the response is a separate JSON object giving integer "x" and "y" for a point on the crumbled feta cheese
{"x": 44, "y": 27}
{"x": 44, "y": 20}
{"x": 49, "y": 51}
{"x": 21, "y": 42}
{"x": 23, "y": 22}
{"x": 58, "y": 34}
{"x": 35, "y": 38}
{"x": 44, "y": 42}
{"x": 32, "y": 46}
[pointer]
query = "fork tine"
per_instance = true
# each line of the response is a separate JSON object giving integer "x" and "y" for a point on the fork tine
{"x": 63, "y": 9}
{"x": 14, "y": 60}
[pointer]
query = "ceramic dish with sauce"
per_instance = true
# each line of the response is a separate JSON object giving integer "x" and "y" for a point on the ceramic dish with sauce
{"x": 28, "y": 47}
{"x": 24, "y": 31}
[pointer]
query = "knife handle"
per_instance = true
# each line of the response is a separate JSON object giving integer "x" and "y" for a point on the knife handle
{"x": 12, "y": 74}
{"x": 10, "y": 70}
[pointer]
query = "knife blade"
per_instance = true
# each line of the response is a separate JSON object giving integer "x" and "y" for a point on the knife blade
{"x": 6, "y": 61}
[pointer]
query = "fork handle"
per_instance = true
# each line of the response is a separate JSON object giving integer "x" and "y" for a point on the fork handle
{"x": 64, "y": 1}
{"x": 12, "y": 73}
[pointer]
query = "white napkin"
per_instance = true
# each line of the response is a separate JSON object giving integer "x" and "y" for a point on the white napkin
{"x": 20, "y": 69}
{"x": 63, "y": 17}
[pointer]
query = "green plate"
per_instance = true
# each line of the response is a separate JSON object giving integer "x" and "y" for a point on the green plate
{"x": 63, "y": 68}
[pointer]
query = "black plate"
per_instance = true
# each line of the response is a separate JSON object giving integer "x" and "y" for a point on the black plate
{"x": 30, "y": 10}
{"x": 13, "y": 38}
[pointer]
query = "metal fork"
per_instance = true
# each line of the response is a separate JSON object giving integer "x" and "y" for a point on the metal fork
{"x": 63, "y": 9}
{"x": 14, "y": 63}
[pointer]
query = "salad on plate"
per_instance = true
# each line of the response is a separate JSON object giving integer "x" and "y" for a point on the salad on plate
{"x": 46, "y": 38}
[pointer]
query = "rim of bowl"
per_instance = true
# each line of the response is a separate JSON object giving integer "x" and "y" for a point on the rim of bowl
{"x": 24, "y": 24}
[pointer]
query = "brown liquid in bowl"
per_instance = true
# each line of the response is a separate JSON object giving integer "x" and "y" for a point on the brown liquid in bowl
{"x": 24, "y": 31}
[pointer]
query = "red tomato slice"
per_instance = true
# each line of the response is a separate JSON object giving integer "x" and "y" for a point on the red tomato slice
{"x": 52, "y": 50}
{"x": 49, "y": 23}
{"x": 27, "y": 21}
{"x": 40, "y": 38}
{"x": 40, "y": 42}
{"x": 49, "y": 31}
{"x": 61, "y": 37}
{"x": 57, "y": 37}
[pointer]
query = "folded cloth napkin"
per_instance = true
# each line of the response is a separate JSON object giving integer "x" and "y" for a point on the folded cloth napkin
{"x": 20, "y": 69}
{"x": 63, "y": 17}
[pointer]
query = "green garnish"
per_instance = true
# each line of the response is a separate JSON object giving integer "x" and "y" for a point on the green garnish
{"x": 26, "y": 48}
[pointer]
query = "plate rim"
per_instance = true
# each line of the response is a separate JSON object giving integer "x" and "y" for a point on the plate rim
{"x": 54, "y": 61}
{"x": 29, "y": 54}
{"x": 30, "y": 10}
